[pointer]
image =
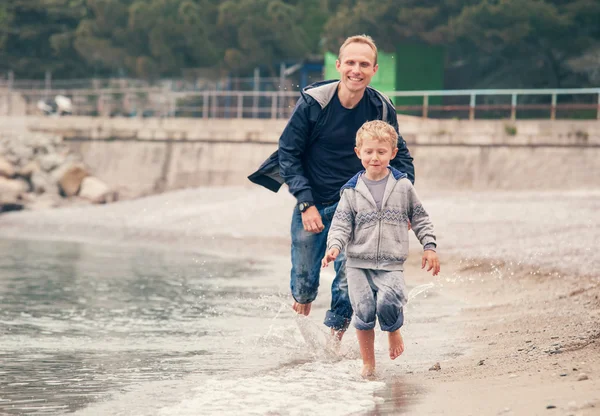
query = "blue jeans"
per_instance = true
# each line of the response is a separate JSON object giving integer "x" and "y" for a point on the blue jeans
{"x": 308, "y": 249}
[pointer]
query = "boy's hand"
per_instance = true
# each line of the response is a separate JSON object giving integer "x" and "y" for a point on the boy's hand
{"x": 430, "y": 256}
{"x": 330, "y": 256}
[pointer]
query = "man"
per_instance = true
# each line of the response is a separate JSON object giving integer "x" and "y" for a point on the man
{"x": 316, "y": 158}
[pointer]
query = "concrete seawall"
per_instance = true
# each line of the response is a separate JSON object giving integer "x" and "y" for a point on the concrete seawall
{"x": 152, "y": 155}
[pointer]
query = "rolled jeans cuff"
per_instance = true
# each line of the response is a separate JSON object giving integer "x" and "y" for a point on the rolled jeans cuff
{"x": 397, "y": 325}
{"x": 336, "y": 322}
{"x": 362, "y": 325}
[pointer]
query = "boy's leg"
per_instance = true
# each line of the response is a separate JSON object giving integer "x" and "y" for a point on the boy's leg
{"x": 307, "y": 251}
{"x": 391, "y": 297}
{"x": 366, "y": 341}
{"x": 364, "y": 304}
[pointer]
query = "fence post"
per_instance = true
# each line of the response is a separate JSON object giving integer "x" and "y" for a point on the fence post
{"x": 274, "y": 101}
{"x": 11, "y": 81}
{"x": 280, "y": 101}
{"x": 553, "y": 108}
{"x": 513, "y": 107}
{"x": 240, "y": 101}
{"x": 215, "y": 104}
{"x": 205, "y": 99}
{"x": 47, "y": 84}
{"x": 256, "y": 89}
{"x": 472, "y": 107}
{"x": 425, "y": 105}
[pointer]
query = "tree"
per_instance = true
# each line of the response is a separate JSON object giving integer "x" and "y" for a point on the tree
{"x": 526, "y": 43}
{"x": 36, "y": 36}
{"x": 261, "y": 33}
{"x": 149, "y": 38}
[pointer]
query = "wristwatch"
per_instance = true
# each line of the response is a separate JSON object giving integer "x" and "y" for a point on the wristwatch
{"x": 303, "y": 206}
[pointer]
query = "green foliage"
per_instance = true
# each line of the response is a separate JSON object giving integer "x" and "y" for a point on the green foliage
{"x": 487, "y": 43}
{"x": 262, "y": 33}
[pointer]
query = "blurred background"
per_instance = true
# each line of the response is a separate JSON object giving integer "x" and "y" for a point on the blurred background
{"x": 153, "y": 57}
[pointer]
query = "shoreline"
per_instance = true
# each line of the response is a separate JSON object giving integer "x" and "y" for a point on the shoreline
{"x": 512, "y": 337}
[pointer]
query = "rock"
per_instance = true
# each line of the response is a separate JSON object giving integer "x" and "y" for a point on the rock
{"x": 51, "y": 161}
{"x": 435, "y": 367}
{"x": 42, "y": 182}
{"x": 28, "y": 170}
{"x": 94, "y": 190}
{"x": 11, "y": 191}
{"x": 481, "y": 362}
{"x": 70, "y": 177}
{"x": 7, "y": 169}
{"x": 16, "y": 186}
{"x": 582, "y": 377}
{"x": 44, "y": 201}
{"x": 23, "y": 153}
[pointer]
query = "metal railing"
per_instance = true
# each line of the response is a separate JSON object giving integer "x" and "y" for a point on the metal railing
{"x": 587, "y": 99}
{"x": 130, "y": 101}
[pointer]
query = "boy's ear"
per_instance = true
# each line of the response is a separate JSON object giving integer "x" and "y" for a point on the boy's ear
{"x": 357, "y": 151}
{"x": 394, "y": 152}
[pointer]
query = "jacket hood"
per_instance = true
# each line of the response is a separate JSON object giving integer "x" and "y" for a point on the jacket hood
{"x": 354, "y": 180}
{"x": 323, "y": 91}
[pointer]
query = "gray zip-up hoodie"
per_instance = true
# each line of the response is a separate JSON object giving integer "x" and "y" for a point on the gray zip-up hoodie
{"x": 378, "y": 239}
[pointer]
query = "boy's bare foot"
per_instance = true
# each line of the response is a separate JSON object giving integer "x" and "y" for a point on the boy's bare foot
{"x": 396, "y": 344}
{"x": 368, "y": 371}
{"x": 302, "y": 308}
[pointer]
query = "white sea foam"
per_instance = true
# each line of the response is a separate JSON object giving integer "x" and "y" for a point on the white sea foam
{"x": 313, "y": 388}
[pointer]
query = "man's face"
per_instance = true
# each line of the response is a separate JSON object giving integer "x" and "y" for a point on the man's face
{"x": 356, "y": 66}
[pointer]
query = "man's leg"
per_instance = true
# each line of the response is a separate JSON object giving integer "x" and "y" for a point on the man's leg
{"x": 307, "y": 251}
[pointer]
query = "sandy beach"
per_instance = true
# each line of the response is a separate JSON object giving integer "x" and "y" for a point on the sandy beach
{"x": 513, "y": 320}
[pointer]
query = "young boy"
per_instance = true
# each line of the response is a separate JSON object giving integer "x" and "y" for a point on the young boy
{"x": 371, "y": 222}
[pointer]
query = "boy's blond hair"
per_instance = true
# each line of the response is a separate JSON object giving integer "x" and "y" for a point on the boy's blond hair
{"x": 366, "y": 39}
{"x": 378, "y": 130}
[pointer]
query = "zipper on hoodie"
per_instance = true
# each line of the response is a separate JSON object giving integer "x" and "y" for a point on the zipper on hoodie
{"x": 378, "y": 240}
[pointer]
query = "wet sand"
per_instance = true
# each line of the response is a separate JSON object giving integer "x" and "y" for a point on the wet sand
{"x": 513, "y": 320}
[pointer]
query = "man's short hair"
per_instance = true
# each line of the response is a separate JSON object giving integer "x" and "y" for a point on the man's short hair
{"x": 378, "y": 130}
{"x": 366, "y": 39}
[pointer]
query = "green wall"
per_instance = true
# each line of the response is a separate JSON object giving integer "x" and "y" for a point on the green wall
{"x": 412, "y": 67}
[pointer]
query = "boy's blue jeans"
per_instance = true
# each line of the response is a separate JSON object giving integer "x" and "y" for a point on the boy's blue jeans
{"x": 308, "y": 249}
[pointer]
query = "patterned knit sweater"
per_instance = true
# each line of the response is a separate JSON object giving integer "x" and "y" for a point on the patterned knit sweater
{"x": 378, "y": 239}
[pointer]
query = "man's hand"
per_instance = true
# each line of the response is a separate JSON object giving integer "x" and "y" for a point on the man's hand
{"x": 330, "y": 256}
{"x": 430, "y": 256}
{"x": 311, "y": 219}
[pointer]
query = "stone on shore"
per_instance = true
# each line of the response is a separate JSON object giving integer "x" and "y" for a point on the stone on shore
{"x": 94, "y": 190}
{"x": 37, "y": 171}
{"x": 70, "y": 177}
{"x": 7, "y": 169}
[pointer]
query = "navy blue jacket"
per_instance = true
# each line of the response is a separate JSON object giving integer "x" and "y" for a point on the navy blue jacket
{"x": 285, "y": 164}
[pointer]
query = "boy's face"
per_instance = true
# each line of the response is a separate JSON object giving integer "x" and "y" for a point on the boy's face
{"x": 375, "y": 156}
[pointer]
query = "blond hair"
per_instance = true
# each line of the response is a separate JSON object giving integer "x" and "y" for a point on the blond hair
{"x": 366, "y": 39}
{"x": 378, "y": 130}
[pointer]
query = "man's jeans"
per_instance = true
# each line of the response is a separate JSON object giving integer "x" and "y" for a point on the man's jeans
{"x": 308, "y": 249}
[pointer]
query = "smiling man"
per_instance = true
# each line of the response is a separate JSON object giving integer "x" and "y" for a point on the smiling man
{"x": 316, "y": 158}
